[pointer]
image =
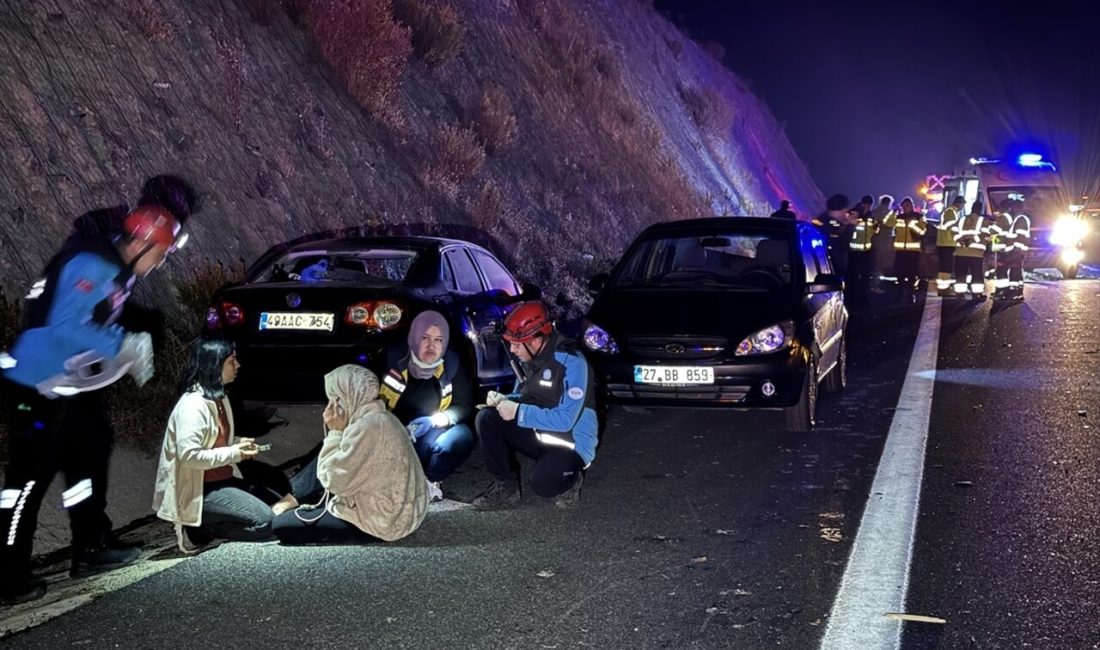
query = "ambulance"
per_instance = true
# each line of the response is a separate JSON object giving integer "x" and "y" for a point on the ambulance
{"x": 1030, "y": 185}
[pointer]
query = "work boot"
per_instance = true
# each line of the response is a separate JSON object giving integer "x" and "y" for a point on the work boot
{"x": 32, "y": 590}
{"x": 571, "y": 497}
{"x": 499, "y": 494}
{"x": 90, "y": 561}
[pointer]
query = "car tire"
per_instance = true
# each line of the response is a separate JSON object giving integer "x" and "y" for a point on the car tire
{"x": 800, "y": 417}
{"x": 837, "y": 378}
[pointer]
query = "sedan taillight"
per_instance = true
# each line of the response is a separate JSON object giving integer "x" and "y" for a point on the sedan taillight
{"x": 226, "y": 315}
{"x": 373, "y": 313}
{"x": 234, "y": 315}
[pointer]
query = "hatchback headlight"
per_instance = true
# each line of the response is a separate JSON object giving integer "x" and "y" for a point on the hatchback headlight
{"x": 769, "y": 339}
{"x": 596, "y": 338}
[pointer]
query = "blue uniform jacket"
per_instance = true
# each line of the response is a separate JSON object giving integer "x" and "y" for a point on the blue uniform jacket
{"x": 70, "y": 311}
{"x": 556, "y": 398}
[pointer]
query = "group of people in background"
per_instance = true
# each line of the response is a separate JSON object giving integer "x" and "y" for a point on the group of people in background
{"x": 385, "y": 445}
{"x": 875, "y": 242}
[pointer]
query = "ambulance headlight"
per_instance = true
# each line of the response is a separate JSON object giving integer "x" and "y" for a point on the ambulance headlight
{"x": 1068, "y": 230}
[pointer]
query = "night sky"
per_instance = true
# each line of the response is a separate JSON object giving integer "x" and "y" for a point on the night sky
{"x": 876, "y": 95}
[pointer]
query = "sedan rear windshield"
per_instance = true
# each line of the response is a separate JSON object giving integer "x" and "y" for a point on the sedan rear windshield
{"x": 728, "y": 260}
{"x": 385, "y": 265}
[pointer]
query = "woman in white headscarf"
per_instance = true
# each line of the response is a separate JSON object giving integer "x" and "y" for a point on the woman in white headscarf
{"x": 368, "y": 475}
{"x": 430, "y": 391}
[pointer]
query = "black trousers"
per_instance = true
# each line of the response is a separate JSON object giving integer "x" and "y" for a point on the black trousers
{"x": 907, "y": 267}
{"x": 860, "y": 267}
{"x": 1010, "y": 266}
{"x": 555, "y": 470}
{"x": 319, "y": 527}
{"x": 70, "y": 434}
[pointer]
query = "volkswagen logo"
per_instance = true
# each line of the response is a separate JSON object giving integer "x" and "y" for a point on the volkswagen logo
{"x": 675, "y": 348}
{"x": 293, "y": 300}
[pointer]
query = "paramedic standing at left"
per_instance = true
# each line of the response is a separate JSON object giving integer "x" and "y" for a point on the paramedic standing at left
{"x": 71, "y": 348}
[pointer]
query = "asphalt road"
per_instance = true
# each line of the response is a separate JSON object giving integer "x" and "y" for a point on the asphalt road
{"x": 714, "y": 530}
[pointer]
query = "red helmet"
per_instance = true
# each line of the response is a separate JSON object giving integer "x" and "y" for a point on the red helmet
{"x": 527, "y": 320}
{"x": 152, "y": 224}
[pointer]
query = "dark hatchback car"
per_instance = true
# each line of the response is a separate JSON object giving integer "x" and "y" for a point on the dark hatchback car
{"x": 309, "y": 306}
{"x": 737, "y": 312}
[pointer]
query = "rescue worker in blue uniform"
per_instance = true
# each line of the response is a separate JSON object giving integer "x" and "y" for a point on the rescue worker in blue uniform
{"x": 550, "y": 416}
{"x": 73, "y": 346}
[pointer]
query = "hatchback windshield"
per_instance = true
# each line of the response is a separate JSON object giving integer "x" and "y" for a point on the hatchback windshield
{"x": 380, "y": 264}
{"x": 728, "y": 260}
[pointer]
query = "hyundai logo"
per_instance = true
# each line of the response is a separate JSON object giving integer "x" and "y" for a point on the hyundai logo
{"x": 675, "y": 348}
{"x": 293, "y": 300}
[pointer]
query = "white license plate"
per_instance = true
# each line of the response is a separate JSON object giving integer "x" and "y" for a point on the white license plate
{"x": 683, "y": 375}
{"x": 274, "y": 320}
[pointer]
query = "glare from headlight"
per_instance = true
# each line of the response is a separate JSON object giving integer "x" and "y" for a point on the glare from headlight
{"x": 767, "y": 340}
{"x": 1068, "y": 230}
{"x": 1072, "y": 256}
{"x": 596, "y": 338}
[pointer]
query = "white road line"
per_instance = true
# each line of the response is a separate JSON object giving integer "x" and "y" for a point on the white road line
{"x": 877, "y": 576}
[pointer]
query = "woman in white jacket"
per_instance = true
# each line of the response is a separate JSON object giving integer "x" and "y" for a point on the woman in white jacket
{"x": 200, "y": 487}
{"x": 368, "y": 475}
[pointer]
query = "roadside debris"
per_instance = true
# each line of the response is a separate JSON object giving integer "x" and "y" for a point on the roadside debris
{"x": 963, "y": 484}
{"x": 545, "y": 573}
{"x": 831, "y": 534}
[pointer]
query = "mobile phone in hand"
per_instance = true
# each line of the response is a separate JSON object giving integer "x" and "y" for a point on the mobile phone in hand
{"x": 262, "y": 447}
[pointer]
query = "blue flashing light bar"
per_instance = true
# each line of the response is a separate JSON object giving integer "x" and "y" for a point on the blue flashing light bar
{"x": 1034, "y": 160}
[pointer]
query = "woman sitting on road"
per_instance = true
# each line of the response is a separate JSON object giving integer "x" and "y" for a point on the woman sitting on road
{"x": 366, "y": 482}
{"x": 429, "y": 390}
{"x": 202, "y": 486}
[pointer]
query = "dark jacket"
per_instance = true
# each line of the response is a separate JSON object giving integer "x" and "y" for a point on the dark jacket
{"x": 448, "y": 390}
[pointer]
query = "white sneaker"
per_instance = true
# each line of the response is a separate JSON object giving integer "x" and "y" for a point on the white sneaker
{"x": 435, "y": 491}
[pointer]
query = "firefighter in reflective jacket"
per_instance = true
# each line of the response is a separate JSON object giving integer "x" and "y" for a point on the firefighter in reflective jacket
{"x": 945, "y": 246}
{"x": 550, "y": 416}
{"x": 909, "y": 227}
{"x": 998, "y": 230}
{"x": 1018, "y": 237}
{"x": 860, "y": 256}
{"x": 971, "y": 236}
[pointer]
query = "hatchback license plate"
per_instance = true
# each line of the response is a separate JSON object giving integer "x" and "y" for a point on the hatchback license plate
{"x": 683, "y": 375}
{"x": 273, "y": 320}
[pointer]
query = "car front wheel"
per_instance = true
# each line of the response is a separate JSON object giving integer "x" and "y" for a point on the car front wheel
{"x": 800, "y": 417}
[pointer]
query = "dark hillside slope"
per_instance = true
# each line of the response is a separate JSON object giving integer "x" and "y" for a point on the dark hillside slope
{"x": 554, "y": 130}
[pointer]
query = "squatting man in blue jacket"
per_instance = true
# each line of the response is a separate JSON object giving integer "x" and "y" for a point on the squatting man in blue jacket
{"x": 72, "y": 347}
{"x": 550, "y": 416}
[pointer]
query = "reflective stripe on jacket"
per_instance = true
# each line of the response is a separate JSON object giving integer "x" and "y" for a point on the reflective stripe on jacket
{"x": 908, "y": 228}
{"x": 1019, "y": 234}
{"x": 970, "y": 236}
{"x": 862, "y": 234}
{"x": 945, "y": 235}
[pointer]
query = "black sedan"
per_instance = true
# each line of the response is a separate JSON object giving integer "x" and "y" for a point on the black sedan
{"x": 735, "y": 312}
{"x": 309, "y": 306}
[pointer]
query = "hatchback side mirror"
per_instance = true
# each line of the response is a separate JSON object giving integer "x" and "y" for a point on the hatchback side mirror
{"x": 825, "y": 282}
{"x": 598, "y": 282}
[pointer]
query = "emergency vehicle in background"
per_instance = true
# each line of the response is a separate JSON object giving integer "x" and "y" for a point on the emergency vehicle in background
{"x": 1031, "y": 186}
